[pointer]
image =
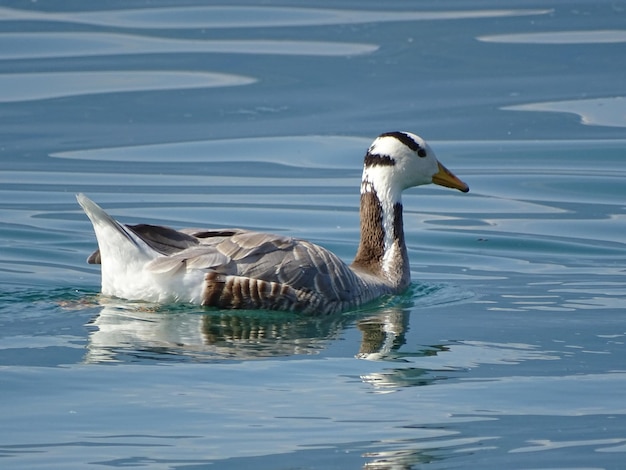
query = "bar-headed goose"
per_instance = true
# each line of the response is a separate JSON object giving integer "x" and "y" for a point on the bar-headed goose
{"x": 252, "y": 270}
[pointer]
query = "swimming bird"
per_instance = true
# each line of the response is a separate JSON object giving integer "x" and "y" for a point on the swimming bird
{"x": 236, "y": 268}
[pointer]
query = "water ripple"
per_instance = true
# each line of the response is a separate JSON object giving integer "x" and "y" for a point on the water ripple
{"x": 82, "y": 44}
{"x": 40, "y": 85}
{"x": 249, "y": 16}
{"x": 313, "y": 151}
{"x": 560, "y": 37}
{"x": 592, "y": 112}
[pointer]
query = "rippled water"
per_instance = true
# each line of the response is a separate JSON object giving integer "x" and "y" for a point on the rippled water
{"x": 508, "y": 352}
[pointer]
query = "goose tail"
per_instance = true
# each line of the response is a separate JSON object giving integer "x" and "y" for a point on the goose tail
{"x": 118, "y": 245}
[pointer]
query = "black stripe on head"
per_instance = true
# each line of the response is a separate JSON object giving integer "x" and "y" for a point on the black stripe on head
{"x": 406, "y": 140}
{"x": 375, "y": 159}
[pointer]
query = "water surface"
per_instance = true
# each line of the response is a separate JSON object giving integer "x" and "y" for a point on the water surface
{"x": 508, "y": 350}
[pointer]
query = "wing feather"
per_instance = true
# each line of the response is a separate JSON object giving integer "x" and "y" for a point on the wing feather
{"x": 199, "y": 257}
{"x": 165, "y": 240}
{"x": 299, "y": 264}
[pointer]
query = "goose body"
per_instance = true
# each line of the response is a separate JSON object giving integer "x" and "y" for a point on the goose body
{"x": 235, "y": 268}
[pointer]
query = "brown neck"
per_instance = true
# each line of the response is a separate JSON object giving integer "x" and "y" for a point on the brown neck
{"x": 380, "y": 253}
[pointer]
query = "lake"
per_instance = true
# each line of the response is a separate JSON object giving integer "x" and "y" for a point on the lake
{"x": 508, "y": 352}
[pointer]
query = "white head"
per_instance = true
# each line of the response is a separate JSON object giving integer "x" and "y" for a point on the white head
{"x": 399, "y": 160}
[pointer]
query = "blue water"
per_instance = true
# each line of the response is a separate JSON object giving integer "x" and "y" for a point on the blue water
{"x": 508, "y": 352}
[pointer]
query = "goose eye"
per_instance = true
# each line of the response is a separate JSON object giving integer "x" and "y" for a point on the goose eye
{"x": 421, "y": 152}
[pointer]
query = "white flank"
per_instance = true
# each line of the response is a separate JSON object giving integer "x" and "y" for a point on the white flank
{"x": 125, "y": 259}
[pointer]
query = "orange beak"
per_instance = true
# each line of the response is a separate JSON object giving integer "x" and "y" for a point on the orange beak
{"x": 445, "y": 177}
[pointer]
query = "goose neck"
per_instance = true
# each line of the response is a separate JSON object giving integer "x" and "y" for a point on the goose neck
{"x": 382, "y": 249}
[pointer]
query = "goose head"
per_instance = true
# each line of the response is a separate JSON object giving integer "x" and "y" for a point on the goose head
{"x": 399, "y": 160}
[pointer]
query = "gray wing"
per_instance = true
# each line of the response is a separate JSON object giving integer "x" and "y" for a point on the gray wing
{"x": 299, "y": 264}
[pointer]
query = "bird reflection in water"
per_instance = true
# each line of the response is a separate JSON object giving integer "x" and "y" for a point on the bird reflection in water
{"x": 130, "y": 332}
{"x": 134, "y": 332}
